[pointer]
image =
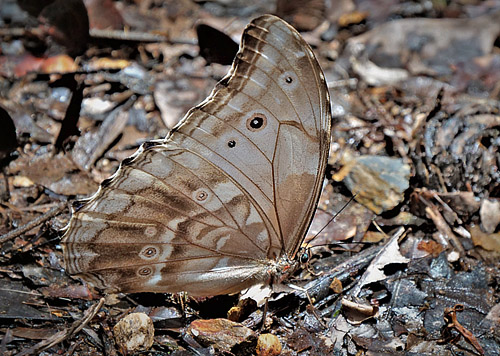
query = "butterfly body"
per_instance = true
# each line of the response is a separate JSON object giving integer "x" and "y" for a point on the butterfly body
{"x": 225, "y": 200}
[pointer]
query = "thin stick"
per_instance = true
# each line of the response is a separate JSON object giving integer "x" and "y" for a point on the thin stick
{"x": 66, "y": 333}
{"x": 33, "y": 223}
{"x": 444, "y": 228}
{"x": 6, "y": 180}
{"x": 313, "y": 309}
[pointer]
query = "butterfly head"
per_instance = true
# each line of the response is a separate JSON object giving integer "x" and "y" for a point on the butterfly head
{"x": 304, "y": 255}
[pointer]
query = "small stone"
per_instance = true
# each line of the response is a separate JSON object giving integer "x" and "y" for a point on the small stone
{"x": 378, "y": 182}
{"x": 134, "y": 332}
{"x": 268, "y": 345}
{"x": 234, "y": 314}
{"x": 490, "y": 242}
{"x": 22, "y": 182}
{"x": 490, "y": 215}
{"x": 453, "y": 256}
{"x": 242, "y": 310}
{"x": 221, "y": 333}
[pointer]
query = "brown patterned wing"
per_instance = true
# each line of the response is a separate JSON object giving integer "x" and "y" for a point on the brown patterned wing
{"x": 267, "y": 125}
{"x": 231, "y": 189}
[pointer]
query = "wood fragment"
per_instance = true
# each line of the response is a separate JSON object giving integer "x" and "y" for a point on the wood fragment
{"x": 443, "y": 227}
{"x": 66, "y": 333}
{"x": 450, "y": 317}
{"x": 320, "y": 287}
{"x": 33, "y": 223}
{"x": 134, "y": 36}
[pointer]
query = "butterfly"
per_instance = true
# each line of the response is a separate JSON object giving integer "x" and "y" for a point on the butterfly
{"x": 225, "y": 200}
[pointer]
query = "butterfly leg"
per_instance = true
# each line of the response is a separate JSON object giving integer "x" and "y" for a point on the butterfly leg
{"x": 311, "y": 271}
{"x": 313, "y": 309}
{"x": 182, "y": 298}
{"x": 264, "y": 314}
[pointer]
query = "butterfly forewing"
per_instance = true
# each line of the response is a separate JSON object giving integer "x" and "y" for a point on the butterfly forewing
{"x": 230, "y": 191}
{"x": 276, "y": 77}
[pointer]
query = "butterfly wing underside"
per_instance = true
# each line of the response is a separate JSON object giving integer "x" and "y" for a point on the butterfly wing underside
{"x": 230, "y": 190}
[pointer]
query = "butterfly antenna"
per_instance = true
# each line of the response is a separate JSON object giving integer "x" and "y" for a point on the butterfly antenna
{"x": 334, "y": 216}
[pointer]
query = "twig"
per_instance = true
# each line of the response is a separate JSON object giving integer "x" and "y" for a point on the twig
{"x": 66, "y": 333}
{"x": 39, "y": 208}
{"x": 443, "y": 227}
{"x": 134, "y": 36}
{"x": 351, "y": 83}
{"x": 446, "y": 207}
{"x": 33, "y": 223}
{"x": 5, "y": 341}
{"x": 119, "y": 35}
{"x": 320, "y": 287}
{"x": 450, "y": 318}
{"x": 6, "y": 182}
{"x": 12, "y": 32}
